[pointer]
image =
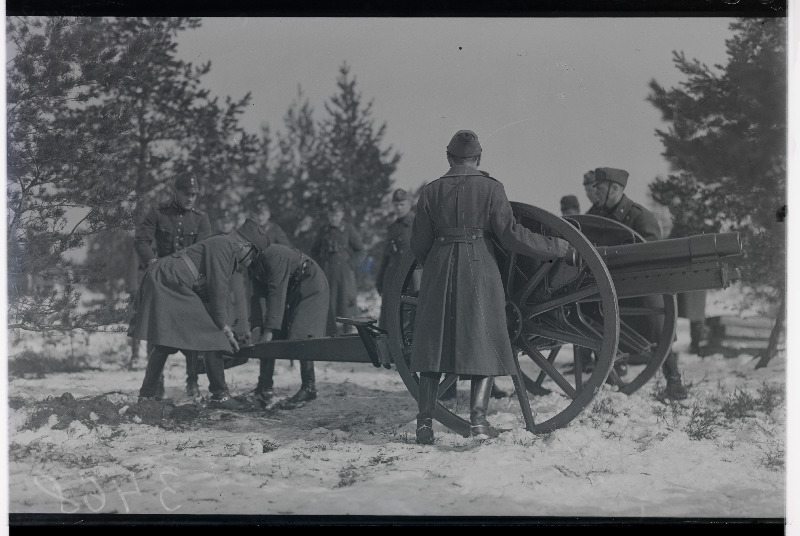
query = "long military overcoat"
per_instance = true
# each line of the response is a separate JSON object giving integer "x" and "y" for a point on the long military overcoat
{"x": 171, "y": 313}
{"x": 276, "y": 287}
{"x": 334, "y": 250}
{"x": 460, "y": 323}
{"x": 398, "y": 242}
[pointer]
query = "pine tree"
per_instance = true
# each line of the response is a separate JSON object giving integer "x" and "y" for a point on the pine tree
{"x": 58, "y": 186}
{"x": 726, "y": 144}
{"x": 358, "y": 169}
{"x": 101, "y": 115}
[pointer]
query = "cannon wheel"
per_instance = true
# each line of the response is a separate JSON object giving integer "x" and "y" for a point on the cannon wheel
{"x": 632, "y": 340}
{"x": 544, "y": 301}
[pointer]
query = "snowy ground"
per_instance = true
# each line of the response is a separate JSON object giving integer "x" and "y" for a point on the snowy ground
{"x": 352, "y": 451}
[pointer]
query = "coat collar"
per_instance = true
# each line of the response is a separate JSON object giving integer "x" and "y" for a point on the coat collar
{"x": 460, "y": 171}
{"x": 407, "y": 220}
{"x": 621, "y": 210}
{"x": 179, "y": 208}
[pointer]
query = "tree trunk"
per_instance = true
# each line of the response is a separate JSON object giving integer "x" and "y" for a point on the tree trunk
{"x": 772, "y": 347}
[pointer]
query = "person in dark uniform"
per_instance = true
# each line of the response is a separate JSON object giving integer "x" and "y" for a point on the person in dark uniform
{"x": 570, "y": 206}
{"x": 614, "y": 204}
{"x": 171, "y": 227}
{"x": 460, "y": 323}
{"x": 398, "y": 238}
{"x": 591, "y": 194}
{"x": 335, "y": 249}
{"x": 273, "y": 231}
{"x": 290, "y": 301}
{"x": 184, "y": 305}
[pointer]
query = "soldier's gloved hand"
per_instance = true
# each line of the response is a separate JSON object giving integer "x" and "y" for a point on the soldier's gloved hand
{"x": 572, "y": 257}
{"x": 267, "y": 336}
{"x": 231, "y": 338}
{"x": 255, "y": 334}
{"x": 561, "y": 246}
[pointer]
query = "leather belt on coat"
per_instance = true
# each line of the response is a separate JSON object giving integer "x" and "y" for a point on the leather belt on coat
{"x": 451, "y": 235}
{"x": 200, "y": 286}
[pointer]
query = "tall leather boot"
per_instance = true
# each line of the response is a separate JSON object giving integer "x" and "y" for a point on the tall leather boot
{"x": 153, "y": 383}
{"x": 192, "y": 388}
{"x": 675, "y": 388}
{"x": 696, "y": 334}
{"x": 426, "y": 402}
{"x": 308, "y": 389}
{"x": 480, "y": 392}
{"x": 264, "y": 393}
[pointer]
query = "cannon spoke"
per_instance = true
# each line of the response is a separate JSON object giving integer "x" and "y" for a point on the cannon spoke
{"x": 547, "y": 367}
{"x": 447, "y": 383}
{"x": 531, "y": 284}
{"x": 535, "y": 387}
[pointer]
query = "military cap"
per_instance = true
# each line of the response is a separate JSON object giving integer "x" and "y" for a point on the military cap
{"x": 187, "y": 183}
{"x": 253, "y": 234}
{"x": 588, "y": 177}
{"x": 464, "y": 144}
{"x": 569, "y": 201}
{"x": 606, "y": 174}
{"x": 399, "y": 196}
{"x": 335, "y": 207}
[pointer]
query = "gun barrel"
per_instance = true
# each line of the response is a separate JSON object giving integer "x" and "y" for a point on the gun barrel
{"x": 672, "y": 252}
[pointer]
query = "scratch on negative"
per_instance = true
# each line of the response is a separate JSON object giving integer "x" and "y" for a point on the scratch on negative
{"x": 510, "y": 125}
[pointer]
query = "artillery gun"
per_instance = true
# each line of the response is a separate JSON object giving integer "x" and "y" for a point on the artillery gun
{"x": 597, "y": 303}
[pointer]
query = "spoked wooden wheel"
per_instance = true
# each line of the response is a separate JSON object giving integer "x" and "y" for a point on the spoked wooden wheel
{"x": 647, "y": 323}
{"x": 549, "y": 304}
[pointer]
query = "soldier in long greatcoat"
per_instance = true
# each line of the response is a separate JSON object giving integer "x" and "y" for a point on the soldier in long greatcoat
{"x": 614, "y": 204}
{"x": 169, "y": 228}
{"x": 290, "y": 301}
{"x": 335, "y": 249}
{"x": 184, "y": 305}
{"x": 460, "y": 322}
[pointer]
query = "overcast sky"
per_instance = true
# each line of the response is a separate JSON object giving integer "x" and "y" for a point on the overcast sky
{"x": 548, "y": 97}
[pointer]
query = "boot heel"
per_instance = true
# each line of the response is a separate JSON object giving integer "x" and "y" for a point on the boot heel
{"x": 424, "y": 431}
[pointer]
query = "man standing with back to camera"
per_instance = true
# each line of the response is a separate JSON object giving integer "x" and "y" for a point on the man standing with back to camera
{"x": 461, "y": 321}
{"x": 173, "y": 226}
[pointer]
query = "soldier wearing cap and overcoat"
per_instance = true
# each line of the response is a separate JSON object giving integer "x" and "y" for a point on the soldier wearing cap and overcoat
{"x": 335, "y": 249}
{"x": 610, "y": 184}
{"x": 184, "y": 305}
{"x": 398, "y": 241}
{"x": 460, "y": 322}
{"x": 170, "y": 227}
{"x": 290, "y": 303}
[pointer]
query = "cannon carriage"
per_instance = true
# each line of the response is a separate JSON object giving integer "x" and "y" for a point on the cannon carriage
{"x": 616, "y": 298}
